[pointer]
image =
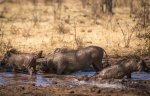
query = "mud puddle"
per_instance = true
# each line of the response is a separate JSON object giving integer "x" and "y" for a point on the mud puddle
{"x": 7, "y": 78}
{"x": 140, "y": 76}
{"x": 45, "y": 80}
{"x": 134, "y": 76}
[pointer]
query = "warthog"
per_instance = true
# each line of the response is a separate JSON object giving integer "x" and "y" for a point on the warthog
{"x": 21, "y": 61}
{"x": 124, "y": 68}
{"x": 65, "y": 60}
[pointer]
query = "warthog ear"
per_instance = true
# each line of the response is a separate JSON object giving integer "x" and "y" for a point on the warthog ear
{"x": 8, "y": 53}
{"x": 13, "y": 50}
{"x": 39, "y": 54}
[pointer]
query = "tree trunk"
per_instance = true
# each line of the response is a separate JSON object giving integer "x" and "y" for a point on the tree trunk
{"x": 107, "y": 6}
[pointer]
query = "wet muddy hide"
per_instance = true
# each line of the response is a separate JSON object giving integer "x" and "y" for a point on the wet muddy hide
{"x": 66, "y": 61}
{"x": 123, "y": 69}
{"x": 20, "y": 61}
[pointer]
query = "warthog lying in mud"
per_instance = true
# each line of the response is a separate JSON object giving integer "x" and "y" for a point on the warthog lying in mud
{"x": 124, "y": 68}
{"x": 21, "y": 60}
{"x": 65, "y": 61}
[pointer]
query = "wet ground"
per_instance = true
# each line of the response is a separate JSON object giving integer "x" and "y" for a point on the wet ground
{"x": 45, "y": 80}
{"x": 50, "y": 84}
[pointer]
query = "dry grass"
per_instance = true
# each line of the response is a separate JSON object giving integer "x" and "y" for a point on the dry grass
{"x": 31, "y": 28}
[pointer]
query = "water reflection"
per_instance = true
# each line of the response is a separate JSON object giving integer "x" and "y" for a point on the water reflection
{"x": 140, "y": 76}
{"x": 83, "y": 73}
{"x": 134, "y": 75}
{"x": 41, "y": 81}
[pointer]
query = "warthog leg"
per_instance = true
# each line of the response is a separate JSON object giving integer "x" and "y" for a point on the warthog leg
{"x": 30, "y": 71}
{"x": 129, "y": 76}
{"x": 34, "y": 69}
{"x": 60, "y": 68}
{"x": 14, "y": 68}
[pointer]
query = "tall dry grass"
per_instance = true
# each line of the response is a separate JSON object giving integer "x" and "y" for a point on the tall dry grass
{"x": 46, "y": 25}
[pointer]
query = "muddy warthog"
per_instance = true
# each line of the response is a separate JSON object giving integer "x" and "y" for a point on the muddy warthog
{"x": 68, "y": 61}
{"x": 124, "y": 68}
{"x": 21, "y": 60}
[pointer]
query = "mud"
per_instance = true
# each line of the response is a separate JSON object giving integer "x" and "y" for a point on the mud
{"x": 77, "y": 84}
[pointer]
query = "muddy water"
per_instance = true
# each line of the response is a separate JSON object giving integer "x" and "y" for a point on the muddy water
{"x": 140, "y": 76}
{"x": 134, "y": 76}
{"x": 49, "y": 80}
{"x": 19, "y": 78}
